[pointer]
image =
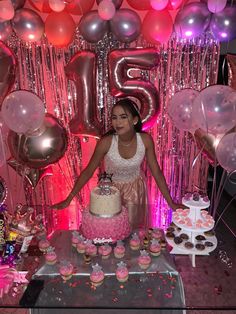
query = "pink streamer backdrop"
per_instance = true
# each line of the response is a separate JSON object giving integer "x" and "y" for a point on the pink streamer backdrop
{"x": 189, "y": 64}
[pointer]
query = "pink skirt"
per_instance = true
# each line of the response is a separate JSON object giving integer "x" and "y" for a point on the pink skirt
{"x": 134, "y": 198}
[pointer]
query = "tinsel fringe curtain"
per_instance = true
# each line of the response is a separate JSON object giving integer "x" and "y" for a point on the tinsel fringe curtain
{"x": 192, "y": 64}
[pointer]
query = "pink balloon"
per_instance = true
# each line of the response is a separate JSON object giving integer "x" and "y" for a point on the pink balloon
{"x": 157, "y": 26}
{"x": 226, "y": 152}
{"x": 23, "y": 111}
{"x": 214, "y": 109}
{"x": 60, "y": 28}
{"x": 216, "y": 6}
{"x": 159, "y": 4}
{"x": 106, "y": 10}
{"x": 6, "y": 10}
{"x": 180, "y": 109}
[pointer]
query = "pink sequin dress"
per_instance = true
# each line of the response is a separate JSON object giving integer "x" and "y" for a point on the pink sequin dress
{"x": 128, "y": 178}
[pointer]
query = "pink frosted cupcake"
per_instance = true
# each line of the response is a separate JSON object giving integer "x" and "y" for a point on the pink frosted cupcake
{"x": 134, "y": 242}
{"x": 155, "y": 248}
{"x": 43, "y": 245}
{"x": 144, "y": 260}
{"x": 119, "y": 250}
{"x": 105, "y": 250}
{"x": 157, "y": 233}
{"x": 66, "y": 270}
{"x": 122, "y": 273}
{"x": 50, "y": 256}
{"x": 81, "y": 245}
{"x": 75, "y": 238}
{"x": 97, "y": 276}
{"x": 91, "y": 248}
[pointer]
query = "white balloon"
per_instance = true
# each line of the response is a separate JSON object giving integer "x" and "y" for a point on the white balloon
{"x": 106, "y": 9}
{"x": 159, "y": 5}
{"x": 57, "y": 5}
{"x": 216, "y": 6}
{"x": 6, "y": 10}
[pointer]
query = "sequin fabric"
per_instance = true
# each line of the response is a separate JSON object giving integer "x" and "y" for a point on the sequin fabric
{"x": 124, "y": 170}
{"x": 128, "y": 178}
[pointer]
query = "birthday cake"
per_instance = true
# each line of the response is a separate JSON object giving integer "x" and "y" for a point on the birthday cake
{"x": 103, "y": 205}
{"x": 195, "y": 216}
{"x": 105, "y": 220}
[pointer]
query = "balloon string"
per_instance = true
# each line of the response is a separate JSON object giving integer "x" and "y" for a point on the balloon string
{"x": 228, "y": 227}
{"x": 213, "y": 192}
{"x": 226, "y": 207}
{"x": 223, "y": 181}
{"x": 196, "y": 158}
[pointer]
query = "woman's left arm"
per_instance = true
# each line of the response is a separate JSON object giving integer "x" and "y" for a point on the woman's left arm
{"x": 157, "y": 173}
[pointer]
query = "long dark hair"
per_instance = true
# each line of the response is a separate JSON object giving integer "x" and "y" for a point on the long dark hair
{"x": 129, "y": 106}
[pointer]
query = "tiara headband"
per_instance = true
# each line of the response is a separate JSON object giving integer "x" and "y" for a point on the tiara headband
{"x": 136, "y": 107}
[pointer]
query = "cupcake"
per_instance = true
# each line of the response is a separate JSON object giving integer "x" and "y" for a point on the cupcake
{"x": 145, "y": 242}
{"x": 90, "y": 248}
{"x": 144, "y": 260}
{"x": 43, "y": 245}
{"x": 87, "y": 259}
{"x": 155, "y": 248}
{"x": 119, "y": 250}
{"x": 105, "y": 251}
{"x": 157, "y": 233}
{"x": 75, "y": 238}
{"x": 97, "y": 275}
{"x": 50, "y": 256}
{"x": 81, "y": 245}
{"x": 122, "y": 273}
{"x": 66, "y": 270}
{"x": 134, "y": 242}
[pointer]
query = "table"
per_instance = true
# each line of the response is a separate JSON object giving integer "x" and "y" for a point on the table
{"x": 160, "y": 287}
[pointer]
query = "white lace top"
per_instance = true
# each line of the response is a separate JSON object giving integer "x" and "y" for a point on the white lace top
{"x": 124, "y": 170}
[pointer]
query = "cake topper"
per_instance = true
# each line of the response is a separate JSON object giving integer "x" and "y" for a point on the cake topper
{"x": 105, "y": 182}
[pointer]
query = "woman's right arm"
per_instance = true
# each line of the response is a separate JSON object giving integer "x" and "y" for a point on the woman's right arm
{"x": 100, "y": 151}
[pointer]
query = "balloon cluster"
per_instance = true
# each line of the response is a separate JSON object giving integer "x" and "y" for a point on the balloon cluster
{"x": 164, "y": 18}
{"x": 210, "y": 115}
{"x": 36, "y": 139}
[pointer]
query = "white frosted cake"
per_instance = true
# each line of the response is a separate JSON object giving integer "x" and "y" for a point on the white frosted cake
{"x": 103, "y": 205}
{"x": 105, "y": 220}
{"x": 195, "y": 217}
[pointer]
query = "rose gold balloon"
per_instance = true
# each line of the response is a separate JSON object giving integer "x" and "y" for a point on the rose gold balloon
{"x": 7, "y": 70}
{"x": 5, "y": 30}
{"x": 81, "y": 69}
{"x": 208, "y": 143}
{"x": 120, "y": 61}
{"x": 44, "y": 147}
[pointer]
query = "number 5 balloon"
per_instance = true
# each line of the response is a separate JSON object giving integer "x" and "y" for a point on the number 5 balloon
{"x": 120, "y": 61}
{"x": 7, "y": 70}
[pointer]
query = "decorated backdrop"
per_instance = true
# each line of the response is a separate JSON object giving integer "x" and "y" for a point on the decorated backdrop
{"x": 65, "y": 63}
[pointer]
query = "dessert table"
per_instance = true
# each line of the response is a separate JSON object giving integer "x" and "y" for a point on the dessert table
{"x": 159, "y": 287}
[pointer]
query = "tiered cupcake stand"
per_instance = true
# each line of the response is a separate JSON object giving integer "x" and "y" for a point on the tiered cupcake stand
{"x": 193, "y": 228}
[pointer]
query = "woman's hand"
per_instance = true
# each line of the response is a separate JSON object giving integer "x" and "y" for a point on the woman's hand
{"x": 61, "y": 205}
{"x": 175, "y": 206}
